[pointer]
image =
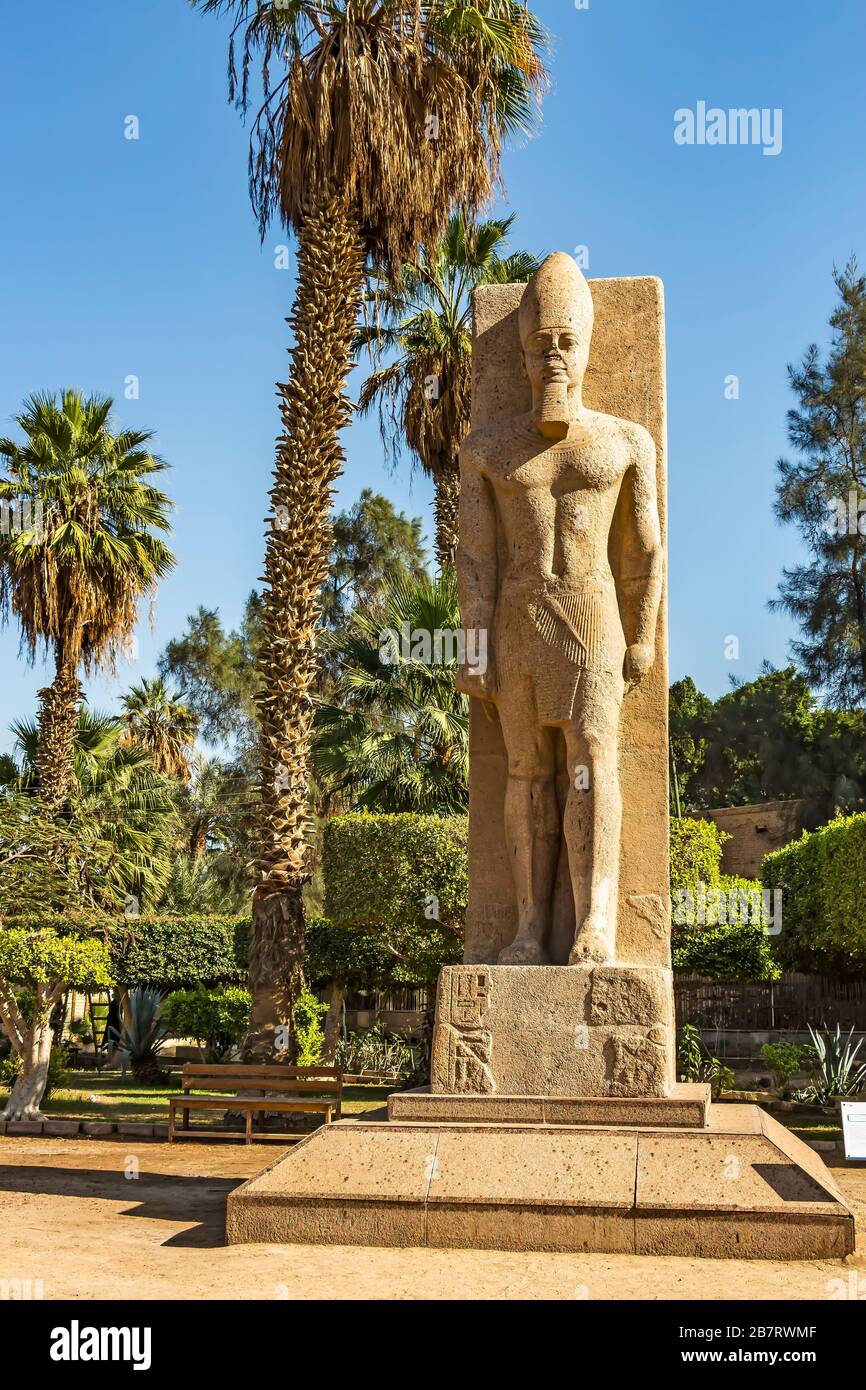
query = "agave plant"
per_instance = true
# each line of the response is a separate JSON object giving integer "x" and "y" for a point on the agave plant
{"x": 142, "y": 1035}
{"x": 838, "y": 1071}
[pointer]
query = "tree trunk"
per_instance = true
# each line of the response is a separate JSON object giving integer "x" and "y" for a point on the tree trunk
{"x": 58, "y": 722}
{"x": 29, "y": 1087}
{"x": 333, "y": 1019}
{"x": 447, "y": 512}
{"x": 314, "y": 409}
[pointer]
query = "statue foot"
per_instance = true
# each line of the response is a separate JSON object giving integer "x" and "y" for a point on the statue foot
{"x": 591, "y": 945}
{"x": 523, "y": 951}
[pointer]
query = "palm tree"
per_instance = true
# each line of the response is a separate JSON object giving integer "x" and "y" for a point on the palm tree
{"x": 74, "y": 573}
{"x": 117, "y": 805}
{"x": 424, "y": 394}
{"x": 386, "y": 115}
{"x": 396, "y": 736}
{"x": 159, "y": 722}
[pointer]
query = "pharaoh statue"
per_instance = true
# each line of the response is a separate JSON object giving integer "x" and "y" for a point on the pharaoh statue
{"x": 560, "y": 566}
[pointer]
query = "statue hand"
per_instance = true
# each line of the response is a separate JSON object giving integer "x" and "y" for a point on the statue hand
{"x": 639, "y": 660}
{"x": 471, "y": 680}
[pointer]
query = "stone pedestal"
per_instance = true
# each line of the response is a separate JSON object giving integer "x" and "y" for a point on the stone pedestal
{"x": 742, "y": 1187}
{"x": 514, "y": 1030}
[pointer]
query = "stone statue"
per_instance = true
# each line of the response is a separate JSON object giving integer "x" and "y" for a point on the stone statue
{"x": 560, "y": 564}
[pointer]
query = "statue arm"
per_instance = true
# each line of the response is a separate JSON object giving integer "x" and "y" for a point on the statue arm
{"x": 641, "y": 573}
{"x": 477, "y": 563}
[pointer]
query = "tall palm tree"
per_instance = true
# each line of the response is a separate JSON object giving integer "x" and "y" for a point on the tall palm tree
{"x": 385, "y": 115}
{"x": 162, "y": 724}
{"x": 396, "y": 735}
{"x": 74, "y": 573}
{"x": 424, "y": 394}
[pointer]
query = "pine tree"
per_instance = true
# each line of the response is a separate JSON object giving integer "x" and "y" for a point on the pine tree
{"x": 823, "y": 494}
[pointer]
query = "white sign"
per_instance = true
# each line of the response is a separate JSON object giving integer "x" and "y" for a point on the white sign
{"x": 854, "y": 1128}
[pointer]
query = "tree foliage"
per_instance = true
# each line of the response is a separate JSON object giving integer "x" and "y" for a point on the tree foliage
{"x": 821, "y": 493}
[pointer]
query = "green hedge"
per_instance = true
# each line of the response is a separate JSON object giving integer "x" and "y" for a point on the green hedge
{"x": 171, "y": 953}
{"x": 722, "y": 932}
{"x": 403, "y": 878}
{"x": 696, "y": 852}
{"x": 822, "y": 877}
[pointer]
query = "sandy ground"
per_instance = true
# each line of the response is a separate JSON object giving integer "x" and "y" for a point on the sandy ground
{"x": 72, "y": 1216}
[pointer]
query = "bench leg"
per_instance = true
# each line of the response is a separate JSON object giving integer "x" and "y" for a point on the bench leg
{"x": 170, "y": 1123}
{"x": 186, "y": 1119}
{"x": 249, "y": 1126}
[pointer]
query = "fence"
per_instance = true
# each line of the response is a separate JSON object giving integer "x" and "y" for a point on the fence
{"x": 790, "y": 1003}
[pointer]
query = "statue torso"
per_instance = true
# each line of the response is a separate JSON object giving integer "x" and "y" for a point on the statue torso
{"x": 555, "y": 502}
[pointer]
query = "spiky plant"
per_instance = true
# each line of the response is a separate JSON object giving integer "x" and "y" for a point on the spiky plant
{"x": 160, "y": 723}
{"x": 85, "y": 554}
{"x": 424, "y": 394}
{"x": 378, "y": 118}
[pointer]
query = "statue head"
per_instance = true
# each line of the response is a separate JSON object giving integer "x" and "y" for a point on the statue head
{"x": 555, "y": 319}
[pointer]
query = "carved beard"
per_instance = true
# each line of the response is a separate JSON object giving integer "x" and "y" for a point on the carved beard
{"x": 553, "y": 413}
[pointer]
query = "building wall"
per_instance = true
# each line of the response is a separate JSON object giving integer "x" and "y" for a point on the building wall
{"x": 754, "y": 832}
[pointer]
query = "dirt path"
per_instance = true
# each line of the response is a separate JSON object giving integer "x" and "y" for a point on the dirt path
{"x": 71, "y": 1217}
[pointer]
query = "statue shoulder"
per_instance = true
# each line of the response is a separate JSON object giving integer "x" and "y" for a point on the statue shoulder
{"x": 481, "y": 445}
{"x": 641, "y": 444}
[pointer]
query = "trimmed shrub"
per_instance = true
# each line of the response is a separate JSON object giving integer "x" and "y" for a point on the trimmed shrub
{"x": 737, "y": 951}
{"x": 216, "y": 1018}
{"x": 164, "y": 953}
{"x": 170, "y": 953}
{"x": 696, "y": 852}
{"x": 345, "y": 953}
{"x": 403, "y": 878}
{"x": 822, "y": 877}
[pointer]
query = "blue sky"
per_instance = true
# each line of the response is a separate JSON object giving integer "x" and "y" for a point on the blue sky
{"x": 126, "y": 257}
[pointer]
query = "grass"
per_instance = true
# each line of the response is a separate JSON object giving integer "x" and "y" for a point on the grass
{"x": 92, "y": 1095}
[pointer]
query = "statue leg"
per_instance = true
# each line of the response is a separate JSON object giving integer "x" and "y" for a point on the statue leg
{"x": 532, "y": 824}
{"x": 593, "y": 815}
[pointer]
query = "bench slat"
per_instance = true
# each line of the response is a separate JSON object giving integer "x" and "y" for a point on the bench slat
{"x": 242, "y": 1069}
{"x": 284, "y": 1084}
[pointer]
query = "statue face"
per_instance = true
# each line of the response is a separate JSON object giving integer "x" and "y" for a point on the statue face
{"x": 553, "y": 356}
{"x": 555, "y": 360}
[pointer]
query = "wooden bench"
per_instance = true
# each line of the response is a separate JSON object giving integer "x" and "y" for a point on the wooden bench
{"x": 278, "y": 1089}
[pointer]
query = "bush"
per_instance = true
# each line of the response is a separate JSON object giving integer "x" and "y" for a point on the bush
{"x": 721, "y": 932}
{"x": 10, "y": 1066}
{"x": 171, "y": 953}
{"x": 696, "y": 852}
{"x": 164, "y": 953}
{"x": 356, "y": 957}
{"x": 309, "y": 1013}
{"x": 784, "y": 1059}
{"x": 403, "y": 878}
{"x": 821, "y": 877}
{"x": 216, "y": 1018}
{"x": 731, "y": 952}
{"x": 375, "y": 1050}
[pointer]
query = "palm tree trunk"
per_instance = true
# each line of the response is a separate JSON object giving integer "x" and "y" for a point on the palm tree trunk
{"x": 314, "y": 409}
{"x": 447, "y": 509}
{"x": 58, "y": 721}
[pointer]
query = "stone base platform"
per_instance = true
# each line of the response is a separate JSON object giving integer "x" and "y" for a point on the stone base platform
{"x": 686, "y": 1108}
{"x": 741, "y": 1187}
